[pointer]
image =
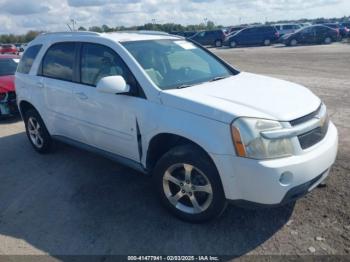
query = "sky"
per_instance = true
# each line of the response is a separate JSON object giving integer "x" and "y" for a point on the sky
{"x": 20, "y": 16}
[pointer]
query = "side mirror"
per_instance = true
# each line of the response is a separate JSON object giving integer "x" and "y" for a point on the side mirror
{"x": 113, "y": 85}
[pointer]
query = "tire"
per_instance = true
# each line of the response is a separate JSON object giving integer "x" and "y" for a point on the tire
{"x": 233, "y": 44}
{"x": 218, "y": 43}
{"x": 267, "y": 42}
{"x": 188, "y": 184}
{"x": 327, "y": 40}
{"x": 293, "y": 42}
{"x": 37, "y": 132}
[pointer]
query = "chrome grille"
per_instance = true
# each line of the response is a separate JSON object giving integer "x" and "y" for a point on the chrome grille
{"x": 314, "y": 136}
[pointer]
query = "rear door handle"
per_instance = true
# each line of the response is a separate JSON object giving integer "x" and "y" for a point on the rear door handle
{"x": 40, "y": 84}
{"x": 82, "y": 96}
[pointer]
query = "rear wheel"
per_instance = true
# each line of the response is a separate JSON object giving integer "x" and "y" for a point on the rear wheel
{"x": 218, "y": 43}
{"x": 189, "y": 185}
{"x": 233, "y": 44}
{"x": 36, "y": 131}
{"x": 267, "y": 42}
{"x": 293, "y": 42}
{"x": 327, "y": 40}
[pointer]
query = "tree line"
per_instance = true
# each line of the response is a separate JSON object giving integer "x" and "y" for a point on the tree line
{"x": 167, "y": 27}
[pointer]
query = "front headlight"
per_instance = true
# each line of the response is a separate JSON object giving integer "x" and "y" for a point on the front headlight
{"x": 248, "y": 142}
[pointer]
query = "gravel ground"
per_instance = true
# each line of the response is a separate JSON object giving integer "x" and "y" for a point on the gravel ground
{"x": 74, "y": 202}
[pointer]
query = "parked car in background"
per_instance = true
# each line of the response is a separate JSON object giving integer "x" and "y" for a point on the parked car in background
{"x": 343, "y": 31}
{"x": 212, "y": 38}
{"x": 8, "y": 49}
{"x": 233, "y": 29}
{"x": 184, "y": 33}
{"x": 317, "y": 34}
{"x": 287, "y": 28}
{"x": 305, "y": 24}
{"x": 334, "y": 26}
{"x": 345, "y": 28}
{"x": 257, "y": 35}
{"x": 8, "y": 66}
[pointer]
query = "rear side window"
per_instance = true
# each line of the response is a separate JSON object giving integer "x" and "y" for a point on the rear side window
{"x": 28, "y": 58}
{"x": 288, "y": 27}
{"x": 98, "y": 61}
{"x": 59, "y": 61}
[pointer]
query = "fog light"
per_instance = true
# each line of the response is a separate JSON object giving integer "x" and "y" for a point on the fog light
{"x": 286, "y": 178}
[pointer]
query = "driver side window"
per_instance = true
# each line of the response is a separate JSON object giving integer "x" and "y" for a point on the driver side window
{"x": 98, "y": 61}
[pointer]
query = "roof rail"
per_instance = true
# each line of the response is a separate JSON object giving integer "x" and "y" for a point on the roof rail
{"x": 143, "y": 32}
{"x": 70, "y": 33}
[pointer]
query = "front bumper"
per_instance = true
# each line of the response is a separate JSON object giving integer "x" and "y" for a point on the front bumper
{"x": 260, "y": 182}
{"x": 8, "y": 106}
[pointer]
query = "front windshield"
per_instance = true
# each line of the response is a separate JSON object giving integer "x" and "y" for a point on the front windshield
{"x": 8, "y": 66}
{"x": 176, "y": 63}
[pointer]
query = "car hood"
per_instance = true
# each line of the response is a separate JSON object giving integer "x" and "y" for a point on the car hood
{"x": 7, "y": 84}
{"x": 244, "y": 94}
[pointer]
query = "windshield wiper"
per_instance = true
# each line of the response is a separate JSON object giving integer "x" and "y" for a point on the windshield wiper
{"x": 218, "y": 78}
{"x": 183, "y": 86}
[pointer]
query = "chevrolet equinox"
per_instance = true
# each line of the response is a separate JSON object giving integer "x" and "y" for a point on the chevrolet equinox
{"x": 165, "y": 106}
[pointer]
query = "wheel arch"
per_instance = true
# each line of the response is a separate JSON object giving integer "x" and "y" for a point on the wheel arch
{"x": 161, "y": 143}
{"x": 24, "y": 106}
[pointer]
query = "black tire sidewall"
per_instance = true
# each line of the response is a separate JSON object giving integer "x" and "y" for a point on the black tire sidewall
{"x": 45, "y": 134}
{"x": 191, "y": 155}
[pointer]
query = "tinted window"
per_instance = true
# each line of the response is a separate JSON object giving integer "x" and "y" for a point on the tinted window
{"x": 288, "y": 27}
{"x": 98, "y": 61}
{"x": 59, "y": 61}
{"x": 28, "y": 58}
{"x": 8, "y": 66}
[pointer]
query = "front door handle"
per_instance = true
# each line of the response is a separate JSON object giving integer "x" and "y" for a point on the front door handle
{"x": 40, "y": 84}
{"x": 82, "y": 96}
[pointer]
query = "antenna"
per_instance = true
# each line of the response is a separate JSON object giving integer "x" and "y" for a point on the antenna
{"x": 70, "y": 29}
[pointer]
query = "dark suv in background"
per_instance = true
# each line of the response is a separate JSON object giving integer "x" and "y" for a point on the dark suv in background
{"x": 257, "y": 35}
{"x": 214, "y": 38}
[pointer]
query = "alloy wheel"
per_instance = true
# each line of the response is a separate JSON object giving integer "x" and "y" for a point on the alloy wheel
{"x": 233, "y": 44}
{"x": 293, "y": 42}
{"x": 328, "y": 40}
{"x": 35, "y": 132}
{"x": 187, "y": 188}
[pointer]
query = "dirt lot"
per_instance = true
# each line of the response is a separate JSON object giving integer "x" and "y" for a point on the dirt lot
{"x": 74, "y": 202}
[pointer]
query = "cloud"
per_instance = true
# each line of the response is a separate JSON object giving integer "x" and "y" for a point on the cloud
{"x": 19, "y": 16}
{"x": 81, "y": 3}
{"x": 22, "y": 7}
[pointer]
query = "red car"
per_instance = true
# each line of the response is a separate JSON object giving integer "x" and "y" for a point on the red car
{"x": 8, "y": 49}
{"x": 8, "y": 66}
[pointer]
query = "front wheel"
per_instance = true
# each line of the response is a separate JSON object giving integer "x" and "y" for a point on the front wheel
{"x": 189, "y": 185}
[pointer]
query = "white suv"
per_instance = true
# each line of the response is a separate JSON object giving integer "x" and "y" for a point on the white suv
{"x": 165, "y": 106}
